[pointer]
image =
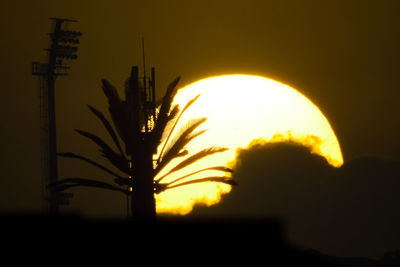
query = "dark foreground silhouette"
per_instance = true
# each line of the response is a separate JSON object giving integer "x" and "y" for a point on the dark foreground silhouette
{"x": 178, "y": 241}
{"x": 347, "y": 211}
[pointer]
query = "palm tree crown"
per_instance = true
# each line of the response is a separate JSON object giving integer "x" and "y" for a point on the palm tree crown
{"x": 142, "y": 134}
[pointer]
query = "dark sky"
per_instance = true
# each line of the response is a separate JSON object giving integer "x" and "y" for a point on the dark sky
{"x": 343, "y": 55}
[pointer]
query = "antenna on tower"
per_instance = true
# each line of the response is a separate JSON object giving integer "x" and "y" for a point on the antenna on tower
{"x": 144, "y": 59}
{"x": 146, "y": 96}
{"x": 149, "y": 94}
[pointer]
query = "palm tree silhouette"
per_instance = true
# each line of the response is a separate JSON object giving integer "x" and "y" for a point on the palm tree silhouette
{"x": 142, "y": 134}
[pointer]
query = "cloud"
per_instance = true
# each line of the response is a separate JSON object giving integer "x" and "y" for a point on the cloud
{"x": 347, "y": 211}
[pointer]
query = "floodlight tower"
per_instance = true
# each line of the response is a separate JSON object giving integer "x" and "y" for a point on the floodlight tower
{"x": 63, "y": 45}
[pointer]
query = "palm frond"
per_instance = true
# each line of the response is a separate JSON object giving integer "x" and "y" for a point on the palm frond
{"x": 104, "y": 147}
{"x": 108, "y": 127}
{"x": 180, "y": 146}
{"x": 180, "y": 143}
{"x": 163, "y": 115}
{"x": 172, "y": 154}
{"x": 203, "y": 153}
{"x": 173, "y": 127}
{"x": 119, "y": 162}
{"x": 72, "y": 155}
{"x": 216, "y": 168}
{"x": 116, "y": 159}
{"x": 183, "y": 153}
{"x": 119, "y": 111}
{"x": 111, "y": 92}
{"x": 184, "y": 131}
{"x": 115, "y": 107}
{"x": 170, "y": 123}
{"x": 73, "y": 182}
{"x": 218, "y": 179}
{"x": 169, "y": 96}
{"x": 196, "y": 157}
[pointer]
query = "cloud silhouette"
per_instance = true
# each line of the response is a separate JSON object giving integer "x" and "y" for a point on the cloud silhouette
{"x": 348, "y": 211}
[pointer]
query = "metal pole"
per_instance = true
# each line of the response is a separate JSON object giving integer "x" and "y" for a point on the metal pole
{"x": 53, "y": 166}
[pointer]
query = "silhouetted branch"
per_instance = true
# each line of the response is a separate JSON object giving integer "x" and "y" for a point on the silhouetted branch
{"x": 202, "y": 154}
{"x": 72, "y": 155}
{"x": 169, "y": 124}
{"x": 173, "y": 127}
{"x": 108, "y": 127}
{"x": 121, "y": 115}
{"x": 217, "y": 168}
{"x": 105, "y": 148}
{"x": 180, "y": 143}
{"x": 183, "y": 133}
{"x": 73, "y": 182}
{"x": 116, "y": 159}
{"x": 163, "y": 116}
{"x": 219, "y": 179}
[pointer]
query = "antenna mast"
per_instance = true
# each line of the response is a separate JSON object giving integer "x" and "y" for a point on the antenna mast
{"x": 148, "y": 95}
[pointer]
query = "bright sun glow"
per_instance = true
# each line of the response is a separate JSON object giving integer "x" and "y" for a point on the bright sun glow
{"x": 239, "y": 110}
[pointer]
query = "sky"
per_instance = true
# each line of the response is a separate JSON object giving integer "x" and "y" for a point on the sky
{"x": 342, "y": 55}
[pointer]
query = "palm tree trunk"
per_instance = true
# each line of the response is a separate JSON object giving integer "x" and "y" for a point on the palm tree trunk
{"x": 143, "y": 203}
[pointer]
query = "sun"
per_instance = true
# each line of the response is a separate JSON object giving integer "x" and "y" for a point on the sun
{"x": 241, "y": 110}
